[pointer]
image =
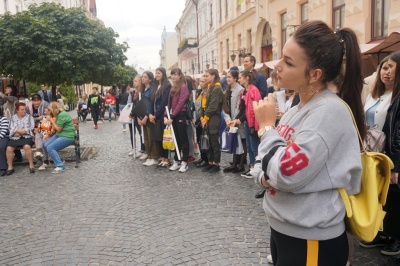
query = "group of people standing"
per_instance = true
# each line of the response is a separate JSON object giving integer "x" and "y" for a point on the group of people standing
{"x": 217, "y": 108}
{"x": 42, "y": 123}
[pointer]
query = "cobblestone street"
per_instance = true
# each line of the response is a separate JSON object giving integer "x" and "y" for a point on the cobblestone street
{"x": 114, "y": 211}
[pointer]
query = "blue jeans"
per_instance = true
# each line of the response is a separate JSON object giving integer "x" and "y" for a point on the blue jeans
{"x": 111, "y": 110}
{"x": 55, "y": 144}
{"x": 252, "y": 143}
{"x": 121, "y": 106}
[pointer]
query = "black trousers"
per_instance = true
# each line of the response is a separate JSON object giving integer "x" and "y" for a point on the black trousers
{"x": 214, "y": 154}
{"x": 289, "y": 251}
{"x": 95, "y": 112}
{"x": 179, "y": 125}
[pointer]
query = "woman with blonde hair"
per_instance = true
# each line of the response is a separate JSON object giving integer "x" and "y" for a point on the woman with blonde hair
{"x": 65, "y": 134}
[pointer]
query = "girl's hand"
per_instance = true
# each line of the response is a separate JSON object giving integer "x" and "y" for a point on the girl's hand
{"x": 203, "y": 123}
{"x": 265, "y": 111}
{"x": 169, "y": 122}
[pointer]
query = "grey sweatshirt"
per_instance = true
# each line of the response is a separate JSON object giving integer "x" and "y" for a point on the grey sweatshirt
{"x": 324, "y": 155}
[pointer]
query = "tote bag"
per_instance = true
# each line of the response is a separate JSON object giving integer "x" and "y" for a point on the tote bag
{"x": 124, "y": 116}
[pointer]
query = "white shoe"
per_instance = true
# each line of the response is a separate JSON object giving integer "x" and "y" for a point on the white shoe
{"x": 150, "y": 162}
{"x": 184, "y": 167}
{"x": 124, "y": 130}
{"x": 196, "y": 151}
{"x": 269, "y": 259}
{"x": 43, "y": 167}
{"x": 143, "y": 157}
{"x": 174, "y": 167}
{"x": 131, "y": 153}
{"x": 38, "y": 155}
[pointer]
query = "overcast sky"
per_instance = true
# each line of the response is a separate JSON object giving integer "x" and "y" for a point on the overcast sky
{"x": 140, "y": 23}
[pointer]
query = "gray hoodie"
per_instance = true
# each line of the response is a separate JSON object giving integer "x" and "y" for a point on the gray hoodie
{"x": 324, "y": 155}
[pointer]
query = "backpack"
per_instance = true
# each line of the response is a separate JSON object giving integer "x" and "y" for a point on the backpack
{"x": 190, "y": 109}
{"x": 364, "y": 210}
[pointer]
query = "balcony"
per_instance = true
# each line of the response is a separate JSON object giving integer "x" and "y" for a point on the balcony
{"x": 186, "y": 44}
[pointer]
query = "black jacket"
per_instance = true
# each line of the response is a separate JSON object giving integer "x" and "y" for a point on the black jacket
{"x": 392, "y": 131}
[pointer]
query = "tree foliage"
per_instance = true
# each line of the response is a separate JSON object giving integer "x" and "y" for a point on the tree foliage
{"x": 124, "y": 75}
{"x": 50, "y": 44}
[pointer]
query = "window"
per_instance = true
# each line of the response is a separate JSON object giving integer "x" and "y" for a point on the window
{"x": 211, "y": 16}
{"x": 227, "y": 53}
{"x": 304, "y": 13}
{"x": 338, "y": 14}
{"x": 283, "y": 29}
{"x": 226, "y": 7}
{"x": 220, "y": 10}
{"x": 380, "y": 18}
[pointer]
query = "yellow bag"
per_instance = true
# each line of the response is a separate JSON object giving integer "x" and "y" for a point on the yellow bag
{"x": 168, "y": 139}
{"x": 364, "y": 210}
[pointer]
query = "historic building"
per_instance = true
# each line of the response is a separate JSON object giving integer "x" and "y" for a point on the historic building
{"x": 168, "y": 52}
{"x": 197, "y": 49}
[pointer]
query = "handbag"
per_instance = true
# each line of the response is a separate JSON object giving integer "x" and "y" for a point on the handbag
{"x": 229, "y": 141}
{"x": 204, "y": 141}
{"x": 124, "y": 116}
{"x": 365, "y": 210}
{"x": 140, "y": 108}
{"x": 374, "y": 139}
{"x": 190, "y": 109}
{"x": 168, "y": 139}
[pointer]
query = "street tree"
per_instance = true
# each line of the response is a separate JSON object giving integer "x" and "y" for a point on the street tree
{"x": 124, "y": 75}
{"x": 53, "y": 45}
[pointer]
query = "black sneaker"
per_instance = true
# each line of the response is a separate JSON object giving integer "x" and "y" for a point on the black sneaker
{"x": 392, "y": 248}
{"x": 207, "y": 168}
{"x": 214, "y": 169}
{"x": 379, "y": 241}
{"x": 247, "y": 174}
{"x": 393, "y": 262}
{"x": 202, "y": 164}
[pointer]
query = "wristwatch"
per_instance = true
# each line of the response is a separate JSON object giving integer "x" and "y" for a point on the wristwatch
{"x": 262, "y": 130}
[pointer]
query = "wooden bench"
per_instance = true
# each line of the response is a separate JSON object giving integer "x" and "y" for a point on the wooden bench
{"x": 76, "y": 143}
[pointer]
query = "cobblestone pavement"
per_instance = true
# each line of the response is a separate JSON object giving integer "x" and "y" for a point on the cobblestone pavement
{"x": 114, "y": 211}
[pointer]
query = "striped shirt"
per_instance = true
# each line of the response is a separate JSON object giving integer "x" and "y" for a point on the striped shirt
{"x": 4, "y": 129}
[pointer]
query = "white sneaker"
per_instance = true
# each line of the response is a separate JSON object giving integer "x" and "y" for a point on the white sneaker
{"x": 131, "y": 153}
{"x": 184, "y": 167}
{"x": 174, "y": 167}
{"x": 43, "y": 167}
{"x": 38, "y": 155}
{"x": 150, "y": 162}
{"x": 269, "y": 259}
{"x": 143, "y": 157}
{"x": 124, "y": 130}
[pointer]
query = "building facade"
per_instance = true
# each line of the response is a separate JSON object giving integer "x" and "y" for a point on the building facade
{"x": 196, "y": 32}
{"x": 168, "y": 52}
{"x": 15, "y": 6}
{"x": 372, "y": 20}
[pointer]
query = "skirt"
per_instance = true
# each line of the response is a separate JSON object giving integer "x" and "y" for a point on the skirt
{"x": 20, "y": 142}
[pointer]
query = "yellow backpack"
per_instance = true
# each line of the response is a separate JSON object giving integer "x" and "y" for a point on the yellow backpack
{"x": 364, "y": 210}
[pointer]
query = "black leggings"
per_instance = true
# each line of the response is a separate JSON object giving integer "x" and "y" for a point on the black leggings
{"x": 288, "y": 251}
{"x": 179, "y": 124}
{"x": 95, "y": 114}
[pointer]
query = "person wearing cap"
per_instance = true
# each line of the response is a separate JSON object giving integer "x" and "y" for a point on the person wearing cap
{"x": 35, "y": 108}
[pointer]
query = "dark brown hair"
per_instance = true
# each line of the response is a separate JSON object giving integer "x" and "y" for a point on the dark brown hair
{"x": 249, "y": 74}
{"x": 155, "y": 94}
{"x": 228, "y": 91}
{"x": 395, "y": 57}
{"x": 378, "y": 88}
{"x": 325, "y": 50}
{"x": 213, "y": 72}
{"x": 177, "y": 86}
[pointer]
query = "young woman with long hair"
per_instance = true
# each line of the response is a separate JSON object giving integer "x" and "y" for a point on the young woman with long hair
{"x": 211, "y": 118}
{"x": 189, "y": 127}
{"x": 231, "y": 110}
{"x": 159, "y": 99}
{"x": 149, "y": 143}
{"x": 176, "y": 103}
{"x": 138, "y": 88}
{"x": 250, "y": 93}
{"x": 314, "y": 150}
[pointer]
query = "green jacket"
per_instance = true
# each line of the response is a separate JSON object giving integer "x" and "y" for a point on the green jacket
{"x": 213, "y": 109}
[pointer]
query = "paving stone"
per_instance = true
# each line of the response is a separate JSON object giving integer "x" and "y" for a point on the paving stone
{"x": 112, "y": 210}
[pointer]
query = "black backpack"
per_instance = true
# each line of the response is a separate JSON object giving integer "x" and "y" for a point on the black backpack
{"x": 190, "y": 109}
